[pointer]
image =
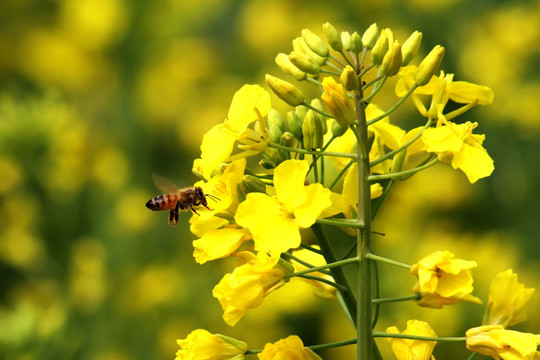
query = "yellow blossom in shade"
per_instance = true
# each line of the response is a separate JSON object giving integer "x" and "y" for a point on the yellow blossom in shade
{"x": 457, "y": 145}
{"x": 275, "y": 221}
{"x": 202, "y": 345}
{"x": 443, "y": 280}
{"x": 441, "y": 88}
{"x": 409, "y": 349}
{"x": 322, "y": 289}
{"x": 495, "y": 341}
{"x": 247, "y": 285}
{"x": 219, "y": 243}
{"x": 336, "y": 99}
{"x": 507, "y": 300}
{"x": 248, "y": 103}
{"x": 290, "y": 348}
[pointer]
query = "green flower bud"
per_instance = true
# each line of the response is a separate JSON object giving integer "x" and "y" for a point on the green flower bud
{"x": 349, "y": 79}
{"x": 338, "y": 130}
{"x": 410, "y": 48}
{"x": 267, "y": 164}
{"x": 317, "y": 104}
{"x": 286, "y": 266}
{"x": 285, "y": 90}
{"x": 300, "y": 46}
{"x": 332, "y": 36}
{"x": 356, "y": 43}
{"x": 315, "y": 43}
{"x": 370, "y": 36}
{"x": 301, "y": 111}
{"x": 380, "y": 49}
{"x": 251, "y": 184}
{"x": 294, "y": 123}
{"x": 288, "y": 139}
{"x": 346, "y": 40}
{"x": 312, "y": 131}
{"x": 275, "y": 133}
{"x": 429, "y": 66}
{"x": 304, "y": 63}
{"x": 392, "y": 60}
{"x": 282, "y": 60}
{"x": 274, "y": 118}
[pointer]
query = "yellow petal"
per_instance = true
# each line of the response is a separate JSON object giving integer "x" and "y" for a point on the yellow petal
{"x": 245, "y": 100}
{"x": 217, "y": 146}
{"x": 217, "y": 244}
{"x": 474, "y": 162}
{"x": 441, "y": 139}
{"x": 317, "y": 199}
{"x": 289, "y": 182}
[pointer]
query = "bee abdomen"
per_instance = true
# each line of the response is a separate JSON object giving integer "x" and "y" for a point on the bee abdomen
{"x": 160, "y": 202}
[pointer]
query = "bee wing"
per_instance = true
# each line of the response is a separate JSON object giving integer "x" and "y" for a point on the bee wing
{"x": 165, "y": 184}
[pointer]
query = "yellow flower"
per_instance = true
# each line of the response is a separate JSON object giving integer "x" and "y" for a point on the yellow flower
{"x": 409, "y": 349}
{"x": 247, "y": 285}
{"x": 322, "y": 290}
{"x": 202, "y": 345}
{"x": 442, "y": 89}
{"x": 507, "y": 300}
{"x": 274, "y": 222}
{"x": 248, "y": 103}
{"x": 495, "y": 341}
{"x": 443, "y": 280}
{"x": 457, "y": 145}
{"x": 290, "y": 348}
{"x": 219, "y": 243}
{"x": 336, "y": 99}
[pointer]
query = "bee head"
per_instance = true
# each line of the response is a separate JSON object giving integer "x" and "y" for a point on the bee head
{"x": 199, "y": 193}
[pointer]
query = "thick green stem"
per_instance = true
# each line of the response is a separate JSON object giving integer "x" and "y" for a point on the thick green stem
{"x": 363, "y": 239}
{"x": 337, "y": 272}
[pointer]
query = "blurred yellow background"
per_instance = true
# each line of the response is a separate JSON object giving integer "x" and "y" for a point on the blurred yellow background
{"x": 96, "y": 95}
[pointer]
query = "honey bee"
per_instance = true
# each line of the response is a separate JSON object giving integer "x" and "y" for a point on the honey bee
{"x": 176, "y": 199}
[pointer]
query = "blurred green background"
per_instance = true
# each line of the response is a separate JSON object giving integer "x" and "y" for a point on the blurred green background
{"x": 96, "y": 95}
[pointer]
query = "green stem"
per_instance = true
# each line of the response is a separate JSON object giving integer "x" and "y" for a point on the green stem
{"x": 472, "y": 356}
{"x": 388, "y": 261}
{"x": 337, "y": 272}
{"x": 311, "y": 152}
{"x": 419, "y": 337}
{"x": 399, "y": 174}
{"x": 344, "y": 57}
{"x": 289, "y": 256}
{"x": 382, "y": 198}
{"x": 315, "y": 170}
{"x": 341, "y": 173}
{"x": 365, "y": 87}
{"x": 376, "y": 88}
{"x": 335, "y": 67}
{"x": 332, "y": 265}
{"x": 317, "y": 110}
{"x": 332, "y": 345}
{"x": 341, "y": 222}
{"x": 363, "y": 237}
{"x": 326, "y": 281}
{"x": 310, "y": 248}
{"x": 393, "y": 108}
{"x": 396, "y": 299}
{"x": 371, "y": 66}
{"x": 330, "y": 72}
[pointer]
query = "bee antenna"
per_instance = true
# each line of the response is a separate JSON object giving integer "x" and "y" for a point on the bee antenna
{"x": 215, "y": 198}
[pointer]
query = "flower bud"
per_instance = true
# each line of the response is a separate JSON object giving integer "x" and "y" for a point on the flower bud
{"x": 315, "y": 43}
{"x": 285, "y": 266}
{"x": 392, "y": 60}
{"x": 429, "y": 66}
{"x": 332, "y": 36}
{"x": 380, "y": 49}
{"x": 349, "y": 79}
{"x": 267, "y": 164}
{"x": 410, "y": 48}
{"x": 285, "y": 90}
{"x": 370, "y": 36}
{"x": 346, "y": 40}
{"x": 317, "y": 104}
{"x": 356, "y": 45}
{"x": 336, "y": 99}
{"x": 338, "y": 130}
{"x": 274, "y": 118}
{"x": 312, "y": 131}
{"x": 304, "y": 63}
{"x": 251, "y": 184}
{"x": 301, "y": 111}
{"x": 294, "y": 123}
{"x": 275, "y": 133}
{"x": 288, "y": 139}
{"x": 300, "y": 46}
{"x": 282, "y": 60}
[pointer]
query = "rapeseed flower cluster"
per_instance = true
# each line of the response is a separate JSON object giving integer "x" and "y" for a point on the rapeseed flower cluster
{"x": 332, "y": 161}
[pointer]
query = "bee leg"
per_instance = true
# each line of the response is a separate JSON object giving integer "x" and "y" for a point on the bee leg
{"x": 173, "y": 214}
{"x": 171, "y": 217}
{"x": 192, "y": 209}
